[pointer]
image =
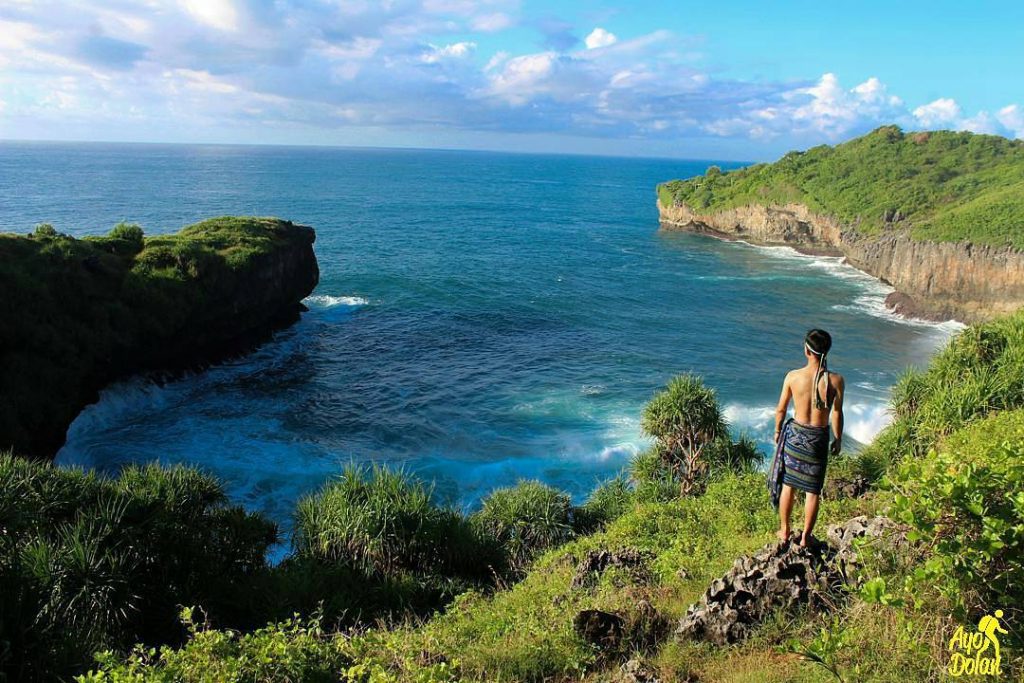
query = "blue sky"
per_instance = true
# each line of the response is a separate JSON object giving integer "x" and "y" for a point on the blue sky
{"x": 730, "y": 80}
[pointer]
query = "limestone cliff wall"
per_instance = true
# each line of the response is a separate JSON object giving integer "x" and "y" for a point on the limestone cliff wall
{"x": 933, "y": 280}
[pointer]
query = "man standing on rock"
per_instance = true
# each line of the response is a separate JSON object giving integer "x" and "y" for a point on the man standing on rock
{"x": 801, "y": 441}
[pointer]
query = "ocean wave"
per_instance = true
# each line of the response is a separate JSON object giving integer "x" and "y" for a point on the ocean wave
{"x": 873, "y": 304}
{"x": 328, "y": 300}
{"x": 863, "y": 420}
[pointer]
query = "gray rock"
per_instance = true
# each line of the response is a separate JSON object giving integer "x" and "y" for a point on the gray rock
{"x": 780, "y": 576}
{"x": 600, "y": 628}
{"x": 590, "y": 568}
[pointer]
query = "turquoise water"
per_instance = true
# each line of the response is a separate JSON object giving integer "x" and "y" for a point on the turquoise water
{"x": 481, "y": 317}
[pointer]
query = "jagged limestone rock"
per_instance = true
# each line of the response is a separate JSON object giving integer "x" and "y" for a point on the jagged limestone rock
{"x": 600, "y": 628}
{"x": 590, "y": 568}
{"x": 781, "y": 575}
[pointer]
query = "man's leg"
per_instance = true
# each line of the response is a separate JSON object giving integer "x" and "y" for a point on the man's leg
{"x": 810, "y": 517}
{"x": 785, "y": 510}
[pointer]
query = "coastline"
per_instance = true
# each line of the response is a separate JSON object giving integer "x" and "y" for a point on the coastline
{"x": 932, "y": 282}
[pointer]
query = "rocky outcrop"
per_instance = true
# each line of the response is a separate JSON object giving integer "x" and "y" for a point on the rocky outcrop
{"x": 782, "y": 575}
{"x": 596, "y": 562}
{"x": 81, "y": 313}
{"x": 933, "y": 280}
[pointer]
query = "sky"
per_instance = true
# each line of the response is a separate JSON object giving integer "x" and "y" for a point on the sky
{"x": 732, "y": 80}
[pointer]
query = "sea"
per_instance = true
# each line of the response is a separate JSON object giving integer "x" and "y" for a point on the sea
{"x": 482, "y": 318}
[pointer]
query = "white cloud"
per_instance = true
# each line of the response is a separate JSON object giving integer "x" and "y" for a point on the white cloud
{"x": 220, "y": 14}
{"x": 451, "y": 51}
{"x": 942, "y": 112}
{"x": 522, "y": 77}
{"x": 600, "y": 38}
{"x": 491, "y": 23}
{"x": 393, "y": 66}
{"x": 1011, "y": 117}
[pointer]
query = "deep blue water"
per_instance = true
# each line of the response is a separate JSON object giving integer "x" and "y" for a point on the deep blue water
{"x": 480, "y": 317}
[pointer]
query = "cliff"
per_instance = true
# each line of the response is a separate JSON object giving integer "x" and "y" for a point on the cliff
{"x": 938, "y": 215}
{"x": 80, "y": 313}
{"x": 933, "y": 280}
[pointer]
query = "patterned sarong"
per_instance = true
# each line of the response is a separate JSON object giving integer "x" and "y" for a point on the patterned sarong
{"x": 801, "y": 457}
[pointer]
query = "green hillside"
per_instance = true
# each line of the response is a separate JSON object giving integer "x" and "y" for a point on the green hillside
{"x": 442, "y": 596}
{"x": 945, "y": 186}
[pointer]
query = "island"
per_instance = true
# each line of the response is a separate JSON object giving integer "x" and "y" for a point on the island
{"x": 80, "y": 313}
{"x": 939, "y": 216}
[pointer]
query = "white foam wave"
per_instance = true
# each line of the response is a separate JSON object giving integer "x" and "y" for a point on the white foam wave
{"x": 749, "y": 418}
{"x": 863, "y": 421}
{"x": 327, "y": 300}
{"x": 119, "y": 403}
{"x": 871, "y": 302}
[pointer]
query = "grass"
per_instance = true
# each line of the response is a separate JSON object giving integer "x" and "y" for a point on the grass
{"x": 946, "y": 186}
{"x": 896, "y": 628}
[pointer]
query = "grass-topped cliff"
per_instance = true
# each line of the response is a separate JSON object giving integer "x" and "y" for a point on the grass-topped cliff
{"x": 946, "y": 186}
{"x": 78, "y": 313}
{"x": 498, "y": 595}
{"x": 938, "y": 215}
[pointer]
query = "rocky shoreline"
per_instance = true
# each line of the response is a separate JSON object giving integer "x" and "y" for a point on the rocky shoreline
{"x": 934, "y": 281}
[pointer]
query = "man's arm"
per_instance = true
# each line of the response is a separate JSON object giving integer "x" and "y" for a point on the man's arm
{"x": 780, "y": 410}
{"x": 837, "y": 416}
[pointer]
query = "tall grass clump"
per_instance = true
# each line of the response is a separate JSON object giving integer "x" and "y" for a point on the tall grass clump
{"x": 980, "y": 371}
{"x": 526, "y": 519}
{"x": 89, "y": 563}
{"x": 372, "y": 542}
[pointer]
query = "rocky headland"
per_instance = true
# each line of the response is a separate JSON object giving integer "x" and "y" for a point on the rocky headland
{"x": 81, "y": 313}
{"x": 937, "y": 215}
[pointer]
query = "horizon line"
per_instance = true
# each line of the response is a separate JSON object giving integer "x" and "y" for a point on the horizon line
{"x": 393, "y": 148}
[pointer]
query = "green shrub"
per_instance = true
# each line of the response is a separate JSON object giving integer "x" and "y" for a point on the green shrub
{"x": 966, "y": 504}
{"x": 685, "y": 419}
{"x": 45, "y": 230}
{"x": 383, "y": 522}
{"x": 981, "y": 370}
{"x": 607, "y": 502}
{"x": 88, "y": 563}
{"x": 292, "y": 650}
{"x": 653, "y": 478}
{"x": 526, "y": 520}
{"x": 128, "y": 232}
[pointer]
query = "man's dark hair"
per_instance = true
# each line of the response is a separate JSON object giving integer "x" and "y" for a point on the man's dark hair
{"x": 819, "y": 341}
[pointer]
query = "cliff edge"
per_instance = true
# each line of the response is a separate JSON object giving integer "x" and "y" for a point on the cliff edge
{"x": 80, "y": 313}
{"x": 933, "y": 280}
{"x": 939, "y": 216}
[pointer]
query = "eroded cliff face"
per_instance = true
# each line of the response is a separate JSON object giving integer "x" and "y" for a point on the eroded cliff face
{"x": 933, "y": 280}
{"x": 79, "y": 314}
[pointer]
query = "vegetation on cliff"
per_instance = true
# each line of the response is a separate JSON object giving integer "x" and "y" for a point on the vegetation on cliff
{"x": 79, "y": 313}
{"x": 437, "y": 595}
{"x": 945, "y": 186}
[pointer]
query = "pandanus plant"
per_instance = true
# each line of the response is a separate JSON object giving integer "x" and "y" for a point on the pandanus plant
{"x": 685, "y": 419}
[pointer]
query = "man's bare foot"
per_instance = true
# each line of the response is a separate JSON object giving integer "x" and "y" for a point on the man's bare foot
{"x": 782, "y": 535}
{"x": 806, "y": 540}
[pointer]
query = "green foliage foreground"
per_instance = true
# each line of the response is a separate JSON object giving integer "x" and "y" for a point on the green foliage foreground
{"x": 374, "y": 536}
{"x": 947, "y": 186}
